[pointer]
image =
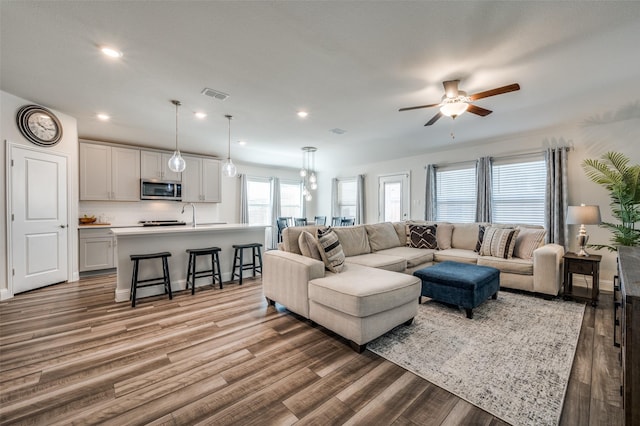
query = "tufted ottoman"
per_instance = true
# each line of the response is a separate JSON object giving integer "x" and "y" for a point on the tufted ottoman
{"x": 459, "y": 284}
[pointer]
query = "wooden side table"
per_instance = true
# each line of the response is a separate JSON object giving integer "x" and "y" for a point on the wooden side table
{"x": 583, "y": 265}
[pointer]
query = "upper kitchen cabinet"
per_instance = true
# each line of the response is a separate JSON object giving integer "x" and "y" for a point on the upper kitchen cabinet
{"x": 155, "y": 165}
{"x": 109, "y": 173}
{"x": 201, "y": 180}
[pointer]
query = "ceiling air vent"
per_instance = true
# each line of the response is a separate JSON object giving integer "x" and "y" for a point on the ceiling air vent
{"x": 214, "y": 94}
{"x": 338, "y": 131}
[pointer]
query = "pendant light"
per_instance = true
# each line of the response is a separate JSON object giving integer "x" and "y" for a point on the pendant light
{"x": 176, "y": 162}
{"x": 307, "y": 172}
{"x": 229, "y": 169}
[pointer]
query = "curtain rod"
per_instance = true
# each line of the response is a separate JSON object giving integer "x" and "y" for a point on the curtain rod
{"x": 503, "y": 157}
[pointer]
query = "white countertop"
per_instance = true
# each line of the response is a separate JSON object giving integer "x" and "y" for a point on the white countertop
{"x": 183, "y": 229}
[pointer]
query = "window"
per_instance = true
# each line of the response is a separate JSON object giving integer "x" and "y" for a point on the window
{"x": 290, "y": 199}
{"x": 347, "y": 196}
{"x": 456, "y": 194}
{"x": 259, "y": 200}
{"x": 518, "y": 191}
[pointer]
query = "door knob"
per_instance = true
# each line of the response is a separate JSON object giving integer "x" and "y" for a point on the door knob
{"x": 63, "y": 226}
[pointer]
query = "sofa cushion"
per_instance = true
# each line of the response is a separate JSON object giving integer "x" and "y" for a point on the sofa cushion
{"x": 413, "y": 256}
{"x": 527, "y": 241}
{"x": 499, "y": 242}
{"x": 309, "y": 246}
{"x": 354, "y": 239}
{"x": 291, "y": 234}
{"x": 464, "y": 236}
{"x": 380, "y": 261}
{"x": 382, "y": 236}
{"x": 456, "y": 255}
{"x": 422, "y": 236}
{"x": 444, "y": 232}
{"x": 361, "y": 291}
{"x": 401, "y": 230}
{"x": 330, "y": 249}
{"x": 513, "y": 265}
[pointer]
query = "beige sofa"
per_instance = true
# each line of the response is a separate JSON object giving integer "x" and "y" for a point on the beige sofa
{"x": 377, "y": 291}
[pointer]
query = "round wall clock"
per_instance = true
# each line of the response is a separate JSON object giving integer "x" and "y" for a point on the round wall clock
{"x": 39, "y": 125}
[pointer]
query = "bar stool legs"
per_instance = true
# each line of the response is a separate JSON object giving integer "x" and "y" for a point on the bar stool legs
{"x": 164, "y": 279}
{"x": 238, "y": 260}
{"x": 214, "y": 272}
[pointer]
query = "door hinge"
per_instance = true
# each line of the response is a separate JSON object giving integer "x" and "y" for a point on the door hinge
{"x": 12, "y": 217}
{"x": 13, "y": 272}
{"x": 12, "y": 163}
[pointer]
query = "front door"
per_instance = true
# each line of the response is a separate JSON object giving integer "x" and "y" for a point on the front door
{"x": 393, "y": 197}
{"x": 38, "y": 219}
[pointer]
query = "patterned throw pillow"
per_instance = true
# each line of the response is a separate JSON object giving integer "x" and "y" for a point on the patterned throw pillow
{"x": 481, "y": 230}
{"x": 528, "y": 240}
{"x": 499, "y": 242}
{"x": 309, "y": 246}
{"x": 422, "y": 236}
{"x": 330, "y": 249}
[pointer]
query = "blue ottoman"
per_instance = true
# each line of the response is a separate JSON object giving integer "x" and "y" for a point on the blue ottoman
{"x": 460, "y": 284}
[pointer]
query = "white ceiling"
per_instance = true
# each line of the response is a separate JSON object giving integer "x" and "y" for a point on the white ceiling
{"x": 350, "y": 64}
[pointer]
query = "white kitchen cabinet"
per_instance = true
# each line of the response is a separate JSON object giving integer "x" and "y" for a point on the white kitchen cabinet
{"x": 109, "y": 173}
{"x": 97, "y": 249}
{"x": 201, "y": 180}
{"x": 155, "y": 165}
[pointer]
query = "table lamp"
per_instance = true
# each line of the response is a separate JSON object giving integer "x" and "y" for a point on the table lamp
{"x": 583, "y": 215}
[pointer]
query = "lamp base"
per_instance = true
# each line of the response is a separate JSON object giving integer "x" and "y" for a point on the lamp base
{"x": 582, "y": 252}
{"x": 582, "y": 242}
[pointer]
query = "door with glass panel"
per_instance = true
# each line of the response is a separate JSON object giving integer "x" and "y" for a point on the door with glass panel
{"x": 393, "y": 197}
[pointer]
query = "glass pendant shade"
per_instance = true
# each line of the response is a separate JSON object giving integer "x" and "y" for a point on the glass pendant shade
{"x": 229, "y": 169}
{"x": 176, "y": 162}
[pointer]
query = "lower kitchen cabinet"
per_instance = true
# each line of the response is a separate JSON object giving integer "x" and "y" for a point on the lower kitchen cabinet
{"x": 97, "y": 249}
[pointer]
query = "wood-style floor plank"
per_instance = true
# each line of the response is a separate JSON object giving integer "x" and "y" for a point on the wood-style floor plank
{"x": 70, "y": 355}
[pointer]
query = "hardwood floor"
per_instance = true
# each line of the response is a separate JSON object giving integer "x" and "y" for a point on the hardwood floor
{"x": 70, "y": 354}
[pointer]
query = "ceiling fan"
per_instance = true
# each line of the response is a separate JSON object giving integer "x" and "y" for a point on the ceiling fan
{"x": 455, "y": 102}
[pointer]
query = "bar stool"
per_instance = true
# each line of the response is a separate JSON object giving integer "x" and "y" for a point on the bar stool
{"x": 238, "y": 261}
{"x": 215, "y": 265}
{"x": 164, "y": 279}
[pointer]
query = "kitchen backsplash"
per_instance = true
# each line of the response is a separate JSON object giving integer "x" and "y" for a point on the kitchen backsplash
{"x": 128, "y": 213}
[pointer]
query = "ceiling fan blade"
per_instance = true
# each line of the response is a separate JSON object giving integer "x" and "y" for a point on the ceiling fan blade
{"x": 451, "y": 88}
{"x": 474, "y": 109}
{"x": 497, "y": 91}
{"x": 418, "y": 107}
{"x": 434, "y": 119}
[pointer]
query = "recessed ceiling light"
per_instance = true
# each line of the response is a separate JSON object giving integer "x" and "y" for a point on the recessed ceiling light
{"x": 200, "y": 115}
{"x": 242, "y": 143}
{"x": 302, "y": 114}
{"x": 103, "y": 117}
{"x": 111, "y": 52}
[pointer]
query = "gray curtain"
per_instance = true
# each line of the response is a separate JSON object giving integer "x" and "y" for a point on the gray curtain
{"x": 359, "y": 200}
{"x": 430, "y": 193}
{"x": 335, "y": 209}
{"x": 483, "y": 189}
{"x": 556, "y": 196}
{"x": 275, "y": 211}
{"x": 244, "y": 201}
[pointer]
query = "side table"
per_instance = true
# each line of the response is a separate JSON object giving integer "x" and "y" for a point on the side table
{"x": 583, "y": 265}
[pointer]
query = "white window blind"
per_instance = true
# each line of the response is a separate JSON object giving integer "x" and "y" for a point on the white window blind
{"x": 259, "y": 200}
{"x": 456, "y": 194}
{"x": 518, "y": 191}
{"x": 290, "y": 198}
{"x": 347, "y": 196}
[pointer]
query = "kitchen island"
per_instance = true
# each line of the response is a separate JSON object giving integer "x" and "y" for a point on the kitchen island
{"x": 176, "y": 240}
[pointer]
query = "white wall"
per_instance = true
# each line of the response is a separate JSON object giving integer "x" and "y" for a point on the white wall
{"x": 10, "y": 134}
{"x": 616, "y": 131}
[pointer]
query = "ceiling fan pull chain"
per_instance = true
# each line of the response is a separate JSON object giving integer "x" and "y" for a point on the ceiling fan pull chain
{"x": 453, "y": 136}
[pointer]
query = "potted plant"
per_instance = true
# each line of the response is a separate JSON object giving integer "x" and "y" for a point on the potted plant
{"x": 622, "y": 181}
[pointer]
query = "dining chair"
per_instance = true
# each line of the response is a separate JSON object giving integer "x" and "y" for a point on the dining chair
{"x": 336, "y": 221}
{"x": 320, "y": 220}
{"x": 347, "y": 221}
{"x": 301, "y": 221}
{"x": 282, "y": 222}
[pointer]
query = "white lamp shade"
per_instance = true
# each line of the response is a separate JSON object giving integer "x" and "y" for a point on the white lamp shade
{"x": 453, "y": 109}
{"x": 177, "y": 163}
{"x": 583, "y": 215}
{"x": 229, "y": 169}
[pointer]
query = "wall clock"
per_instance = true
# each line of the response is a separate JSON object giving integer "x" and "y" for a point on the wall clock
{"x": 39, "y": 125}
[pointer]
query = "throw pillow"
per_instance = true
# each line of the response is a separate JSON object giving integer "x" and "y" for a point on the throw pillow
{"x": 499, "y": 242}
{"x": 309, "y": 246}
{"x": 422, "y": 236}
{"x": 528, "y": 240}
{"x": 382, "y": 236}
{"x": 481, "y": 230}
{"x": 330, "y": 250}
{"x": 444, "y": 232}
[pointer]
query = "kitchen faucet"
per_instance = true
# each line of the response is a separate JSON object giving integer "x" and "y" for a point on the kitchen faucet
{"x": 193, "y": 213}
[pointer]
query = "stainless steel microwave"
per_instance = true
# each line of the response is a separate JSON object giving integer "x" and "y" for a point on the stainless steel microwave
{"x": 151, "y": 189}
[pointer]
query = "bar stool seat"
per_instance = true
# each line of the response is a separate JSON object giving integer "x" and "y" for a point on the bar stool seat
{"x": 214, "y": 272}
{"x": 164, "y": 279}
{"x": 238, "y": 260}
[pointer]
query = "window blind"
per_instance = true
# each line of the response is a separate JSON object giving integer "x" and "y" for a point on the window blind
{"x": 456, "y": 195}
{"x": 259, "y": 200}
{"x": 518, "y": 192}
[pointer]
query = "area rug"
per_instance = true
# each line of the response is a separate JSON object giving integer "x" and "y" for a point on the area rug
{"x": 513, "y": 359}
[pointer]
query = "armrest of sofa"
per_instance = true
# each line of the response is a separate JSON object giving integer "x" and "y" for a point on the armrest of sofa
{"x": 547, "y": 269}
{"x": 286, "y": 276}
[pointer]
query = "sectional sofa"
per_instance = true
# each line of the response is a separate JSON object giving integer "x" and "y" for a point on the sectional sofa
{"x": 376, "y": 290}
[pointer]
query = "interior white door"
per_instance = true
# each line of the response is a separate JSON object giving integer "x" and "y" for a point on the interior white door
{"x": 393, "y": 197}
{"x": 39, "y": 219}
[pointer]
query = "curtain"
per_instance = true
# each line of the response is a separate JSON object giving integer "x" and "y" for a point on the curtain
{"x": 359, "y": 200}
{"x": 556, "y": 196}
{"x": 335, "y": 209}
{"x": 275, "y": 211}
{"x": 244, "y": 200}
{"x": 483, "y": 189}
{"x": 430, "y": 194}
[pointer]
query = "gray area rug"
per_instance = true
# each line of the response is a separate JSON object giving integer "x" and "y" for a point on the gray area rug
{"x": 513, "y": 359}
